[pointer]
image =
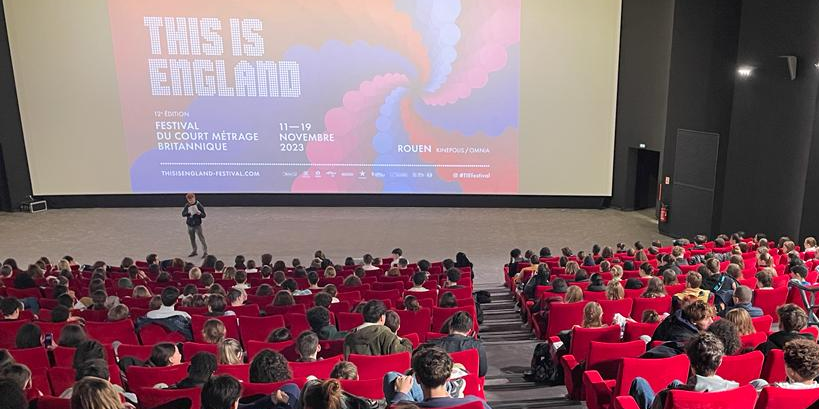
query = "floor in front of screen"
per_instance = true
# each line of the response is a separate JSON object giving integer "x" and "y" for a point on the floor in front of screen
{"x": 485, "y": 235}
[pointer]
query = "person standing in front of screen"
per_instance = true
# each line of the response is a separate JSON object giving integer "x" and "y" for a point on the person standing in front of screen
{"x": 193, "y": 213}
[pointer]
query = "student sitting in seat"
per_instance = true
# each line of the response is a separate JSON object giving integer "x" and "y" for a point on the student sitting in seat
{"x": 372, "y": 337}
{"x": 307, "y": 345}
{"x": 792, "y": 320}
{"x": 224, "y": 391}
{"x": 203, "y": 365}
{"x": 319, "y": 319}
{"x": 460, "y": 339}
{"x": 345, "y": 370}
{"x": 801, "y": 365}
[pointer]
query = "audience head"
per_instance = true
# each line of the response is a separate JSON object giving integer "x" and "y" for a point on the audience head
{"x": 373, "y": 311}
{"x": 283, "y": 298}
{"x": 71, "y": 336}
{"x": 169, "y": 296}
{"x": 728, "y": 334}
{"x": 269, "y": 366}
{"x": 60, "y": 313}
{"x": 801, "y": 360}
{"x": 345, "y": 370}
{"x": 447, "y": 300}
{"x": 279, "y": 335}
{"x": 214, "y": 331}
{"x": 307, "y": 345}
{"x": 10, "y": 307}
{"x": 460, "y": 323}
{"x": 432, "y": 367}
{"x": 87, "y": 350}
{"x": 559, "y": 285}
{"x": 791, "y": 318}
{"x": 29, "y": 336}
{"x": 96, "y": 368}
{"x": 411, "y": 303}
{"x": 18, "y": 373}
{"x": 669, "y": 277}
{"x": 322, "y": 299}
{"x": 202, "y": 367}
{"x": 592, "y": 315}
{"x": 742, "y": 321}
{"x": 94, "y": 393}
{"x": 614, "y": 290}
{"x": 229, "y": 352}
{"x": 221, "y": 392}
{"x": 699, "y": 313}
{"x": 392, "y": 321}
{"x": 165, "y": 354}
{"x": 573, "y": 294}
{"x": 633, "y": 283}
{"x": 650, "y": 316}
{"x": 705, "y": 352}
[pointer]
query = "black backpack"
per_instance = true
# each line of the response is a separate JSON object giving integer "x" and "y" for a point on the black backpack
{"x": 544, "y": 370}
{"x": 723, "y": 293}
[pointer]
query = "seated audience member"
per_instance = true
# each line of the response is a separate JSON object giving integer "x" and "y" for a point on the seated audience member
{"x": 279, "y": 335}
{"x": 705, "y": 351}
{"x": 615, "y": 291}
{"x": 269, "y": 366}
{"x": 97, "y": 368}
{"x": 264, "y": 290}
{"x": 573, "y": 294}
{"x": 372, "y": 337}
{"x": 328, "y": 394}
{"x": 646, "y": 270}
{"x": 312, "y": 281}
{"x": 432, "y": 368}
{"x": 164, "y": 354}
{"x": 650, "y": 316}
{"x": 799, "y": 274}
{"x": 453, "y": 275}
{"x": 241, "y": 281}
{"x": 332, "y": 290}
{"x": 655, "y": 288}
{"x": 202, "y": 366}
{"x": 229, "y": 352}
{"x": 679, "y": 327}
{"x": 141, "y": 291}
{"x": 224, "y": 391}
{"x": 541, "y": 277}
{"x": 581, "y": 276}
{"x": 742, "y": 320}
{"x": 411, "y": 303}
{"x": 596, "y": 283}
{"x": 460, "y": 339}
{"x": 236, "y": 297}
{"x": 728, "y": 334}
{"x": 764, "y": 278}
{"x": 118, "y": 313}
{"x": 71, "y": 335}
{"x": 329, "y": 272}
{"x": 307, "y": 346}
{"x": 669, "y": 278}
{"x": 345, "y": 370}
{"x": 322, "y": 299}
{"x": 213, "y": 331}
{"x": 290, "y": 285}
{"x": 448, "y": 300}
{"x": 170, "y": 296}
{"x": 418, "y": 280}
{"x": 633, "y": 283}
{"x": 28, "y": 336}
{"x": 11, "y": 308}
{"x": 742, "y": 300}
{"x": 319, "y": 320}
{"x": 98, "y": 300}
{"x": 792, "y": 319}
{"x": 95, "y": 393}
{"x": 352, "y": 281}
{"x": 283, "y": 298}
{"x": 692, "y": 288}
{"x": 217, "y": 306}
{"x": 801, "y": 364}
{"x": 20, "y": 374}
{"x": 368, "y": 263}
{"x": 86, "y": 351}
{"x": 167, "y": 316}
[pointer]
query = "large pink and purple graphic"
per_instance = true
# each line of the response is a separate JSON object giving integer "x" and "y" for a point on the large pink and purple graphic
{"x": 320, "y": 96}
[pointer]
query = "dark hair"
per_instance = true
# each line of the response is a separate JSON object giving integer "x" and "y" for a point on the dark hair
{"x": 633, "y": 283}
{"x": 728, "y": 334}
{"x": 269, "y": 366}
{"x": 161, "y": 354}
{"x": 240, "y": 277}
{"x": 373, "y": 310}
{"x": 5, "y": 358}
{"x": 307, "y": 344}
{"x": 87, "y": 350}
{"x": 447, "y": 300}
{"x": 60, "y": 313}
{"x": 264, "y": 290}
{"x": 220, "y": 392}
{"x": 705, "y": 352}
{"x": 423, "y": 265}
{"x": 279, "y": 335}
{"x": 71, "y": 336}
{"x": 17, "y": 372}
{"x": 290, "y": 285}
{"x": 203, "y": 365}
{"x": 419, "y": 278}
{"x": 28, "y": 336}
{"x": 791, "y": 317}
{"x": 453, "y": 275}
{"x": 432, "y": 367}
{"x": 322, "y": 299}
{"x": 318, "y": 317}
{"x": 217, "y": 304}
{"x": 460, "y": 322}
{"x": 312, "y": 278}
{"x": 13, "y": 395}
{"x": 169, "y": 296}
{"x": 411, "y": 303}
{"x": 9, "y": 305}
{"x": 97, "y": 368}
{"x": 344, "y": 370}
{"x": 392, "y": 320}
{"x": 802, "y": 356}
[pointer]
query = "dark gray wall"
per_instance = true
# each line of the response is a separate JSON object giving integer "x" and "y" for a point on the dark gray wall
{"x": 642, "y": 91}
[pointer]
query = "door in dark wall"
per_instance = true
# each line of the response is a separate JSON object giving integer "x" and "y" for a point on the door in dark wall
{"x": 646, "y": 178}
{"x": 691, "y": 204}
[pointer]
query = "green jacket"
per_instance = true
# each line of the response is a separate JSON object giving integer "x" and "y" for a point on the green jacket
{"x": 329, "y": 332}
{"x": 374, "y": 340}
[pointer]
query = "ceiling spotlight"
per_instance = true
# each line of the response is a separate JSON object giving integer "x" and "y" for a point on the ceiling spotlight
{"x": 745, "y": 71}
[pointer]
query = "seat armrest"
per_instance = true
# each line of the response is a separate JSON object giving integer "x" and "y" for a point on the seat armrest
{"x": 598, "y": 390}
{"x": 625, "y": 402}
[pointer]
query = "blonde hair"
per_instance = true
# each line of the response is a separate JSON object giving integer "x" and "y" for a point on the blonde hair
{"x": 573, "y": 294}
{"x": 592, "y": 315}
{"x": 195, "y": 273}
{"x": 572, "y": 268}
{"x": 94, "y": 393}
{"x": 214, "y": 331}
{"x": 141, "y": 291}
{"x": 742, "y": 320}
{"x": 229, "y": 352}
{"x": 616, "y": 272}
{"x": 615, "y": 291}
{"x": 329, "y": 272}
{"x": 63, "y": 265}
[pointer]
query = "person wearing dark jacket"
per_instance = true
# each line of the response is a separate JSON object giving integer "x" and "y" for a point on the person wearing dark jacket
{"x": 194, "y": 212}
{"x": 373, "y": 337}
{"x": 541, "y": 277}
{"x": 742, "y": 299}
{"x": 460, "y": 326}
{"x": 202, "y": 366}
{"x": 679, "y": 327}
{"x": 319, "y": 320}
{"x": 792, "y": 319}
{"x": 596, "y": 283}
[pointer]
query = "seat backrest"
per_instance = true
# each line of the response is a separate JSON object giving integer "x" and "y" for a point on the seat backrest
{"x": 286, "y": 348}
{"x": 258, "y": 328}
{"x": 50, "y": 402}
{"x": 31, "y": 357}
{"x": 741, "y": 368}
{"x": 264, "y": 389}
{"x": 564, "y": 316}
{"x": 582, "y": 337}
{"x": 606, "y": 357}
{"x": 459, "y": 293}
{"x": 658, "y": 372}
{"x": 773, "y": 370}
{"x": 773, "y": 397}
{"x": 141, "y": 352}
{"x": 189, "y": 349}
{"x": 320, "y": 369}
{"x": 634, "y": 330}
{"x": 661, "y": 305}
{"x": 248, "y": 310}
{"x": 769, "y": 299}
{"x": 753, "y": 340}
{"x": 469, "y": 358}
{"x": 8, "y": 332}
{"x": 367, "y": 388}
{"x": 611, "y": 307}
{"x": 349, "y": 320}
{"x": 374, "y": 367}
{"x": 238, "y": 371}
{"x": 763, "y": 323}
{"x": 108, "y": 332}
{"x": 150, "y": 398}
{"x": 743, "y": 397}
{"x": 418, "y": 322}
{"x": 230, "y": 321}
{"x": 147, "y": 377}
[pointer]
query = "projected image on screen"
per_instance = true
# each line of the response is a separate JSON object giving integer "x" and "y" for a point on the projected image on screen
{"x": 329, "y": 96}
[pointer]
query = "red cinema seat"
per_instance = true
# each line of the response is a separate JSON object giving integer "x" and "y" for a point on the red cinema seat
{"x": 634, "y": 330}
{"x": 50, "y": 402}
{"x": 8, "y": 332}
{"x": 753, "y": 340}
{"x": 661, "y": 305}
{"x": 459, "y": 293}
{"x": 440, "y": 315}
{"x": 600, "y": 393}
{"x": 320, "y": 369}
{"x": 239, "y": 371}
{"x": 23, "y": 293}
{"x": 31, "y": 357}
{"x": 331, "y": 348}
{"x": 374, "y": 367}
{"x": 476, "y": 404}
{"x": 62, "y": 378}
{"x": 258, "y": 328}
{"x": 564, "y": 316}
{"x": 108, "y": 332}
{"x": 368, "y": 388}
{"x": 773, "y": 397}
{"x": 469, "y": 358}
{"x": 150, "y": 398}
{"x": 743, "y": 397}
{"x": 230, "y": 321}
{"x": 147, "y": 377}
{"x": 762, "y": 324}
{"x": 341, "y": 306}
{"x": 606, "y": 357}
{"x": 418, "y": 322}
{"x": 741, "y": 368}
{"x": 189, "y": 349}
{"x": 350, "y": 320}
{"x": 141, "y": 352}
{"x": 91, "y": 315}
{"x": 248, "y": 310}
{"x": 352, "y": 296}
{"x": 286, "y": 348}
{"x": 611, "y": 307}
{"x": 53, "y": 328}
{"x": 596, "y": 296}
{"x": 769, "y": 299}
{"x": 284, "y": 309}
{"x": 773, "y": 370}
{"x": 154, "y": 333}
{"x": 263, "y": 389}
{"x": 579, "y": 351}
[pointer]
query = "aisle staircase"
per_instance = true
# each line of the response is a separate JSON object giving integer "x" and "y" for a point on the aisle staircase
{"x": 509, "y": 347}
